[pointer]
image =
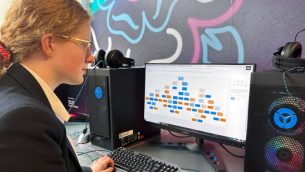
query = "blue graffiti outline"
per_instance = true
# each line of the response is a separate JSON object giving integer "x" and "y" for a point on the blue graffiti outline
{"x": 158, "y": 9}
{"x": 214, "y": 42}
{"x": 94, "y": 6}
{"x": 127, "y": 19}
{"x": 145, "y": 22}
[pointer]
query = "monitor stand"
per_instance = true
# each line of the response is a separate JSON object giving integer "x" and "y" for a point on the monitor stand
{"x": 206, "y": 149}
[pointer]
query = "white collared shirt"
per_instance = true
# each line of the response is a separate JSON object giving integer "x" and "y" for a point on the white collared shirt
{"x": 58, "y": 108}
{"x": 56, "y": 105}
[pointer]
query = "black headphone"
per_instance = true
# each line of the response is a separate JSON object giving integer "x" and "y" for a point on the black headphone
{"x": 100, "y": 59}
{"x": 114, "y": 59}
{"x": 288, "y": 56}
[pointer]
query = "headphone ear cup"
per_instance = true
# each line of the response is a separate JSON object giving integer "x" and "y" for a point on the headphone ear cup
{"x": 288, "y": 56}
{"x": 278, "y": 52}
{"x": 292, "y": 50}
{"x": 101, "y": 59}
{"x": 114, "y": 59}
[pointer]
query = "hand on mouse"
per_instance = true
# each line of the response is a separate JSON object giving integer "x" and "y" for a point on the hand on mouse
{"x": 103, "y": 164}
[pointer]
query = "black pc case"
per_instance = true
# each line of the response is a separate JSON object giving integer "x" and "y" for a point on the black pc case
{"x": 116, "y": 107}
{"x": 276, "y": 123}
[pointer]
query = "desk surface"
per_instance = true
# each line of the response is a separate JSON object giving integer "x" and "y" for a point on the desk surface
{"x": 152, "y": 147}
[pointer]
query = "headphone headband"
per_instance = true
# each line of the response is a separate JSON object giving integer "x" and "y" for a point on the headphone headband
{"x": 287, "y": 63}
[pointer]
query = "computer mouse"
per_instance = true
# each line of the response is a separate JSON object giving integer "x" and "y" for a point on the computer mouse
{"x": 83, "y": 138}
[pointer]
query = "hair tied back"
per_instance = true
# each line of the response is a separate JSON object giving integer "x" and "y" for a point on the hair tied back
{"x": 5, "y": 56}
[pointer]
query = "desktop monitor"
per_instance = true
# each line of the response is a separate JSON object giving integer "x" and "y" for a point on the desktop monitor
{"x": 208, "y": 101}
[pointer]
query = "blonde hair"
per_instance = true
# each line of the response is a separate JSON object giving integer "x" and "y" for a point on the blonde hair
{"x": 27, "y": 20}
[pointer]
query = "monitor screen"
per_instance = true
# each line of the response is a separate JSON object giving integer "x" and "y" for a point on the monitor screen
{"x": 208, "y": 101}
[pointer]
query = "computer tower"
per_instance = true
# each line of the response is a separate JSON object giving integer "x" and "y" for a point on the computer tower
{"x": 276, "y": 123}
{"x": 116, "y": 107}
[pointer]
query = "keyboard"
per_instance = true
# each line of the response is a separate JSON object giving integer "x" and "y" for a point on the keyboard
{"x": 129, "y": 160}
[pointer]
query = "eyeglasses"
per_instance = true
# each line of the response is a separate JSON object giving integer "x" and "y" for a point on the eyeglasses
{"x": 84, "y": 43}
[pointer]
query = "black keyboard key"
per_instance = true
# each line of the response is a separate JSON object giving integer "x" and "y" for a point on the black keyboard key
{"x": 133, "y": 161}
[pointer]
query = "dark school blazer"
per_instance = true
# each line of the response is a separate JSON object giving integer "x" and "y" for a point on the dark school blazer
{"x": 31, "y": 137}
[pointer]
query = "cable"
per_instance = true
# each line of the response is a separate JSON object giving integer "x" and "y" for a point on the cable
{"x": 78, "y": 94}
{"x": 95, "y": 159}
{"x": 177, "y": 135}
{"x": 89, "y": 155}
{"x": 98, "y": 150}
{"x": 292, "y": 70}
{"x": 285, "y": 82}
{"x": 75, "y": 134}
{"x": 84, "y": 83}
{"x": 237, "y": 156}
{"x": 295, "y": 38}
{"x": 190, "y": 169}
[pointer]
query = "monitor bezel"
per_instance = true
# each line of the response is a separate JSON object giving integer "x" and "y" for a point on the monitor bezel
{"x": 196, "y": 133}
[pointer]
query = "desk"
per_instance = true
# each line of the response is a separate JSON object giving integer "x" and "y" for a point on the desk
{"x": 152, "y": 147}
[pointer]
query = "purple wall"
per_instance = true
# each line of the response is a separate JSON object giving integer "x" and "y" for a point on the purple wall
{"x": 197, "y": 31}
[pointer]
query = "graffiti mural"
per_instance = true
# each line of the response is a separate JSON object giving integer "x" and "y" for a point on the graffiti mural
{"x": 196, "y": 31}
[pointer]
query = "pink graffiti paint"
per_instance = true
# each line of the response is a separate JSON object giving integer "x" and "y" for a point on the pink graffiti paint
{"x": 196, "y": 24}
